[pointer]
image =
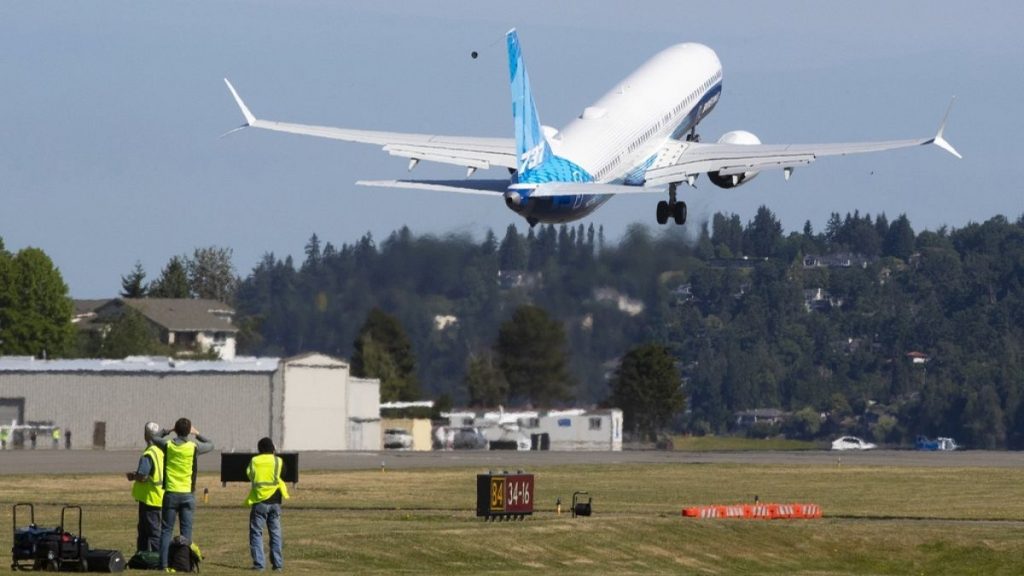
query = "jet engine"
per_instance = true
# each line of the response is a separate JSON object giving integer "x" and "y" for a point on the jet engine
{"x": 742, "y": 138}
{"x": 514, "y": 200}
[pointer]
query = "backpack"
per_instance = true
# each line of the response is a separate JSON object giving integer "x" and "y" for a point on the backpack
{"x": 145, "y": 560}
{"x": 184, "y": 556}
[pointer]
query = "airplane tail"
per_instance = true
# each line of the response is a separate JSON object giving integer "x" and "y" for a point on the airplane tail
{"x": 536, "y": 163}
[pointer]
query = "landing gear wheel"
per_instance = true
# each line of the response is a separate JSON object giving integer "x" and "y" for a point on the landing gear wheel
{"x": 679, "y": 212}
{"x": 663, "y": 212}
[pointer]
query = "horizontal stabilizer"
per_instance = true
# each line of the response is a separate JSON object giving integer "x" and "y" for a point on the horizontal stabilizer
{"x": 549, "y": 189}
{"x": 481, "y": 187}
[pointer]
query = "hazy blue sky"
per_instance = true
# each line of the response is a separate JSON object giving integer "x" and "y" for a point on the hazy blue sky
{"x": 110, "y": 114}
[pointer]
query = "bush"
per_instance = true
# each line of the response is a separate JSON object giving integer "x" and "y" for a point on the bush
{"x": 763, "y": 430}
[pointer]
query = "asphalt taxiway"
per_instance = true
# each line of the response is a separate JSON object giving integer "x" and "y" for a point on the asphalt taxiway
{"x": 48, "y": 461}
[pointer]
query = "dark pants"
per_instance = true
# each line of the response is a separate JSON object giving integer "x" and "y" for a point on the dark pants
{"x": 149, "y": 529}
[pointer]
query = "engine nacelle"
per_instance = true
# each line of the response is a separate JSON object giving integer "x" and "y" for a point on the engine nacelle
{"x": 514, "y": 200}
{"x": 742, "y": 138}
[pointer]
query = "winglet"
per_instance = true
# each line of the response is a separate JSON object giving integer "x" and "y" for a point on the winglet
{"x": 941, "y": 142}
{"x": 249, "y": 118}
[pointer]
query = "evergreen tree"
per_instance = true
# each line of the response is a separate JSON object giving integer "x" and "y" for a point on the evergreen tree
{"x": 899, "y": 243}
{"x": 727, "y": 235}
{"x": 833, "y": 231}
{"x": 647, "y": 386}
{"x": 490, "y": 244}
{"x": 376, "y": 362}
{"x": 531, "y": 351}
{"x": 512, "y": 251}
{"x": 173, "y": 280}
{"x": 383, "y": 350}
{"x": 485, "y": 384}
{"x": 312, "y": 252}
{"x": 132, "y": 285}
{"x": 763, "y": 234}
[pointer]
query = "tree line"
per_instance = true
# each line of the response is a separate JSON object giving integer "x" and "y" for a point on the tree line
{"x": 743, "y": 316}
{"x": 819, "y": 324}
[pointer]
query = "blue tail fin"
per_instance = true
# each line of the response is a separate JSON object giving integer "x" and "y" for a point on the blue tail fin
{"x": 536, "y": 162}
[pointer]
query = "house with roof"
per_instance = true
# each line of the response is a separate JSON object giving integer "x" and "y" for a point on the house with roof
{"x": 185, "y": 324}
{"x": 747, "y": 418}
{"x": 917, "y": 357}
{"x": 836, "y": 260}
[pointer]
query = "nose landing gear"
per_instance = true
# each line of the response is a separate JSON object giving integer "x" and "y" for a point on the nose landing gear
{"x": 674, "y": 208}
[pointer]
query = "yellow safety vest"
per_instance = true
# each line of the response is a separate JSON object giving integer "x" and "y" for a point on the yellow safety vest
{"x": 180, "y": 467}
{"x": 265, "y": 473}
{"x": 55, "y": 433}
{"x": 151, "y": 492}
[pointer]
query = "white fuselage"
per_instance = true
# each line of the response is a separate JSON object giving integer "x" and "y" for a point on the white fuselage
{"x": 619, "y": 136}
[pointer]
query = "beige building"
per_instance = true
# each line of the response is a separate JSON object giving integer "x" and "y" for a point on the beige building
{"x": 419, "y": 428}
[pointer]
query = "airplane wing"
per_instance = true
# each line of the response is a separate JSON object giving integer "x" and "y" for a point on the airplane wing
{"x": 470, "y": 152}
{"x": 682, "y": 161}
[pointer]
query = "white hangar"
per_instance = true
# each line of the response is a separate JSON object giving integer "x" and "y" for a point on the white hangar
{"x": 308, "y": 402}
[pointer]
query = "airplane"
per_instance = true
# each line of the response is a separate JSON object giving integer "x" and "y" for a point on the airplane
{"x": 639, "y": 138}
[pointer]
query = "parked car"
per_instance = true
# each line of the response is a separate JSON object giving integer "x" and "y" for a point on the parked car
{"x": 469, "y": 438}
{"x": 851, "y": 443}
{"x": 940, "y": 444}
{"x": 397, "y": 439}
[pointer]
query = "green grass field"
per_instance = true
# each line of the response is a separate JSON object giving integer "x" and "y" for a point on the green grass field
{"x": 893, "y": 520}
{"x": 738, "y": 443}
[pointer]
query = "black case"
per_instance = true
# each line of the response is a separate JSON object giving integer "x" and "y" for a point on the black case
{"x": 105, "y": 561}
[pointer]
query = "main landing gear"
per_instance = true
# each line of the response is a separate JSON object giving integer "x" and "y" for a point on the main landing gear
{"x": 674, "y": 208}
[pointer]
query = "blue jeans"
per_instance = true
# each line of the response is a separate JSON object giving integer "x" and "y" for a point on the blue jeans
{"x": 270, "y": 515}
{"x": 175, "y": 503}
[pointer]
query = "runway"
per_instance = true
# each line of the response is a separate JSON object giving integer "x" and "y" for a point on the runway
{"x": 116, "y": 462}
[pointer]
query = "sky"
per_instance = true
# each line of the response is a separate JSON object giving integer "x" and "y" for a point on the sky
{"x": 111, "y": 115}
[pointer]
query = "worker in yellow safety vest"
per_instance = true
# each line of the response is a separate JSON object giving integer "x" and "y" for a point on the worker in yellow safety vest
{"x": 265, "y": 496}
{"x": 180, "y": 469}
{"x": 3, "y": 438}
{"x": 148, "y": 490}
{"x": 55, "y": 436}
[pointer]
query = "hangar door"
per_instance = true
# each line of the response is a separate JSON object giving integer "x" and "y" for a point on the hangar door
{"x": 12, "y": 410}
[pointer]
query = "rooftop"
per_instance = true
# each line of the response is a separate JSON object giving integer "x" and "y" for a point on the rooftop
{"x": 185, "y": 314}
{"x": 135, "y": 364}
